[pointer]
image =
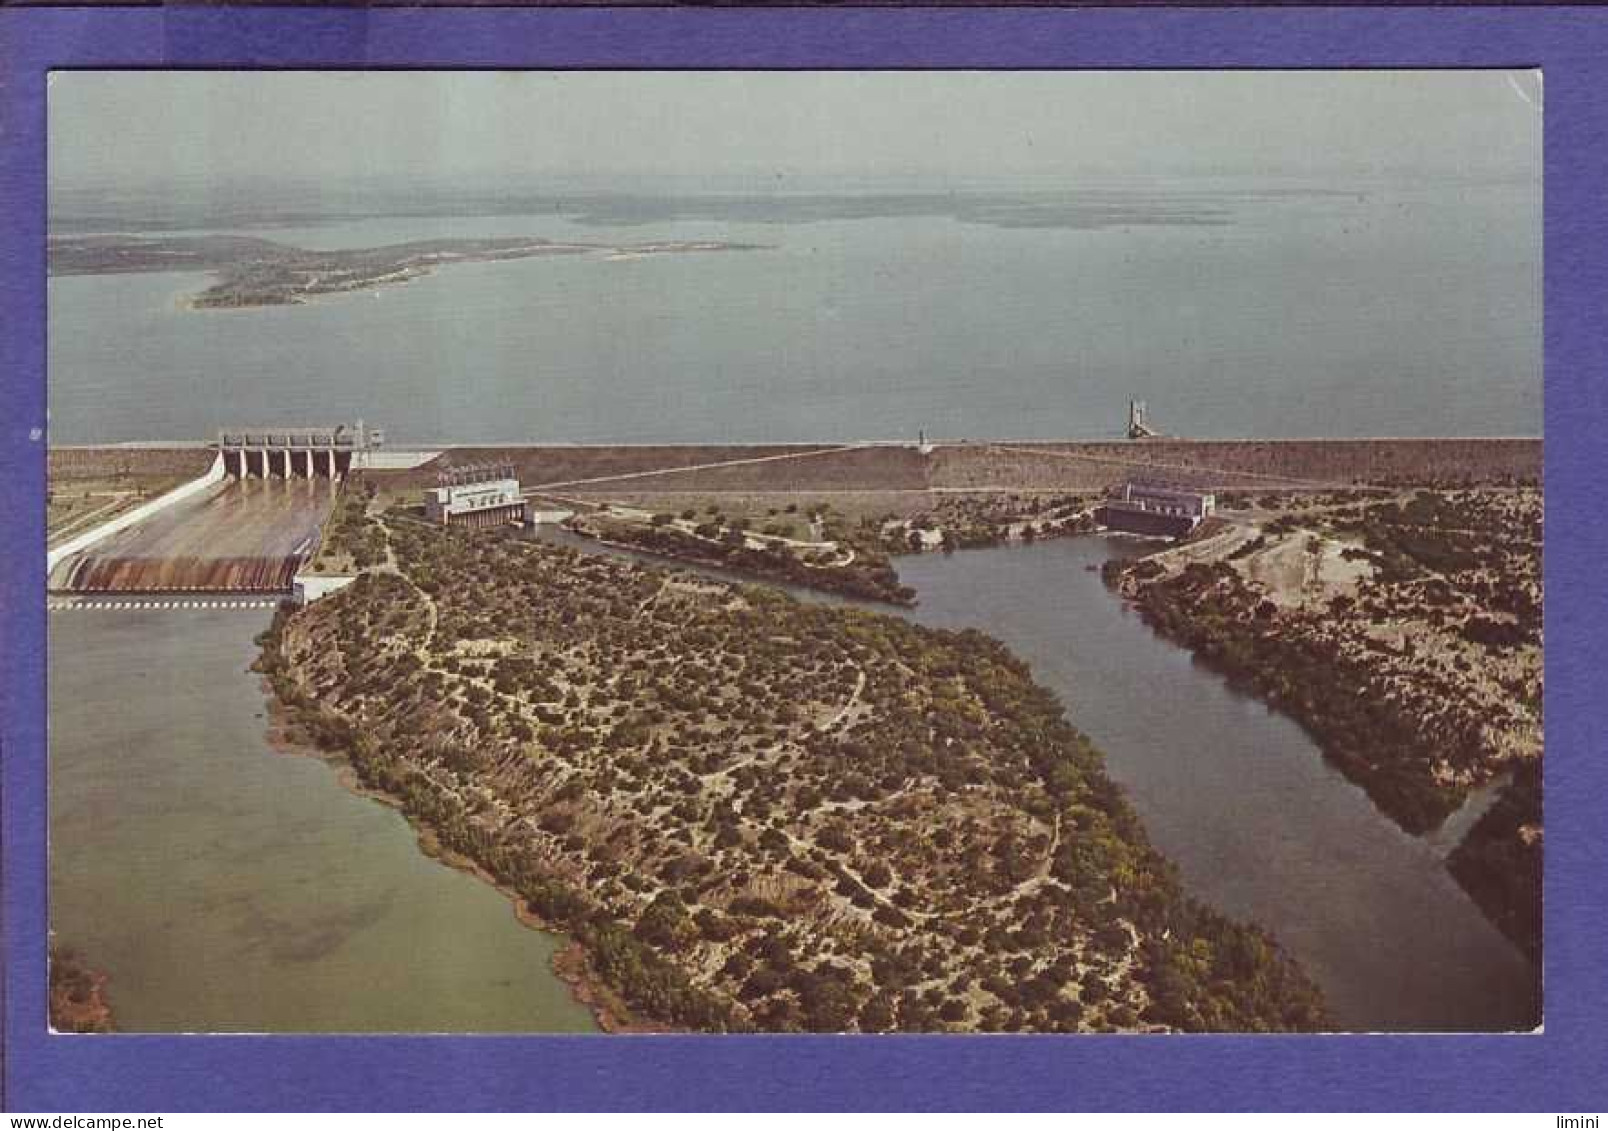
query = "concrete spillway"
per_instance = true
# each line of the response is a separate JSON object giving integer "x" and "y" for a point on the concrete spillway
{"x": 248, "y": 535}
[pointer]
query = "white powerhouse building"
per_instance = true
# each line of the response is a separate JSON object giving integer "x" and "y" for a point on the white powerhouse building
{"x": 476, "y": 497}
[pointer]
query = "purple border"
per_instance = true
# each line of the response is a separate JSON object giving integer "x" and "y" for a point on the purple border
{"x": 1560, "y": 1070}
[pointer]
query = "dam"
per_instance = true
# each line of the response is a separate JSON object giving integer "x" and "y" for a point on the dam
{"x": 243, "y": 526}
{"x": 249, "y": 524}
{"x": 236, "y": 536}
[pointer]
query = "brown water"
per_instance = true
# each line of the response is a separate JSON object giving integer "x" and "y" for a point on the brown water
{"x": 238, "y": 535}
{"x": 228, "y": 887}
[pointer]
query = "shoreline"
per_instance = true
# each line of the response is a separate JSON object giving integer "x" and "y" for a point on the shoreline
{"x": 569, "y": 963}
{"x": 1218, "y": 608}
{"x": 248, "y": 272}
{"x": 744, "y": 575}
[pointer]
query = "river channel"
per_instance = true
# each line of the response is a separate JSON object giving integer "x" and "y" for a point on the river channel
{"x": 1239, "y": 797}
{"x": 225, "y": 886}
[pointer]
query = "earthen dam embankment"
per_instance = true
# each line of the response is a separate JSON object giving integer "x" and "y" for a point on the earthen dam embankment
{"x": 69, "y": 463}
{"x": 1008, "y": 465}
{"x": 253, "y": 535}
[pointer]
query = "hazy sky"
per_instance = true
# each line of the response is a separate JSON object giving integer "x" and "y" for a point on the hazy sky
{"x": 110, "y": 128}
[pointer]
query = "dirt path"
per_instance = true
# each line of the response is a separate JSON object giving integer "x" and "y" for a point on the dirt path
{"x": 854, "y": 698}
{"x": 662, "y": 471}
{"x": 1137, "y": 464}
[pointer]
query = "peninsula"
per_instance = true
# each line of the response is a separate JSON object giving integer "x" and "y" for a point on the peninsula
{"x": 259, "y": 272}
{"x": 752, "y": 813}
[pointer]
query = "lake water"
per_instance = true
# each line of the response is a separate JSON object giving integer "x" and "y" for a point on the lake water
{"x": 1240, "y": 798}
{"x": 1380, "y": 312}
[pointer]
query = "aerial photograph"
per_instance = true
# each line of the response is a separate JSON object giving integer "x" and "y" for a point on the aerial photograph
{"x": 856, "y": 552}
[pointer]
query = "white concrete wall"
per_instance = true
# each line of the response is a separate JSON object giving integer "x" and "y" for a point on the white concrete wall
{"x": 549, "y": 517}
{"x": 391, "y": 459}
{"x": 311, "y": 587}
{"x": 129, "y": 518}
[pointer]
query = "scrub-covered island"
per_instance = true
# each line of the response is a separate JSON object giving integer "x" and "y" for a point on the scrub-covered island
{"x": 750, "y": 812}
{"x": 1401, "y": 626}
{"x": 257, "y": 272}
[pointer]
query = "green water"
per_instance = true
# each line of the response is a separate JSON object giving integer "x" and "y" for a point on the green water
{"x": 227, "y": 887}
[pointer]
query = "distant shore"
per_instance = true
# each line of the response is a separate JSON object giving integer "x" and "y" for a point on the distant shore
{"x": 253, "y": 272}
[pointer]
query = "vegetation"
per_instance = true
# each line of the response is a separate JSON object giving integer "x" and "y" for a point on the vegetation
{"x": 77, "y": 995}
{"x": 1499, "y": 861}
{"x": 257, "y": 272}
{"x": 1404, "y": 633}
{"x": 769, "y": 553}
{"x": 972, "y": 520}
{"x": 351, "y": 542}
{"x": 757, "y": 814}
{"x": 818, "y": 546}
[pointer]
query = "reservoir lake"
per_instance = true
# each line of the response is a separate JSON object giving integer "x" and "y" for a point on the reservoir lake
{"x": 1379, "y": 312}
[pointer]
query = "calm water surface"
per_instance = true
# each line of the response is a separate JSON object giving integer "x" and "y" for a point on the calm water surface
{"x": 225, "y": 886}
{"x": 1402, "y": 312}
{"x": 1240, "y": 798}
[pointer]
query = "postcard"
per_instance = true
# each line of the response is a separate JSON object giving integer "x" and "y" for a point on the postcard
{"x": 644, "y": 561}
{"x": 887, "y": 552}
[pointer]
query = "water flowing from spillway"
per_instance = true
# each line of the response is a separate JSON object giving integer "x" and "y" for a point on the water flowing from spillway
{"x": 239, "y": 535}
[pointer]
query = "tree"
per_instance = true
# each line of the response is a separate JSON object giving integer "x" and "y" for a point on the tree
{"x": 876, "y": 1015}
